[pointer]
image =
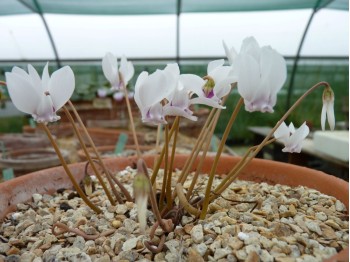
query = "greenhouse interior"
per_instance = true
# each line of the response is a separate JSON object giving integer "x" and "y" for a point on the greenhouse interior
{"x": 91, "y": 106}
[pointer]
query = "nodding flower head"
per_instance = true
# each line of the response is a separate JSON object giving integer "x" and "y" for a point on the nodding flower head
{"x": 328, "y": 108}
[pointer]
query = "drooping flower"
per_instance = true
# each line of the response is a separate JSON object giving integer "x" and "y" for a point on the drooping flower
{"x": 290, "y": 137}
{"x": 261, "y": 73}
{"x": 114, "y": 74}
{"x": 40, "y": 97}
{"x": 218, "y": 85}
{"x": 328, "y": 109}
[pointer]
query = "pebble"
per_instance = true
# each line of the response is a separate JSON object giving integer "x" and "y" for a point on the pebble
{"x": 197, "y": 234}
{"x": 289, "y": 225}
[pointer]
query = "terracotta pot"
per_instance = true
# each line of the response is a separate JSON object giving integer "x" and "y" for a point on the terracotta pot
{"x": 22, "y": 141}
{"x": 108, "y": 151}
{"x": 21, "y": 189}
{"x": 59, "y": 130}
{"x": 31, "y": 159}
{"x": 105, "y": 136}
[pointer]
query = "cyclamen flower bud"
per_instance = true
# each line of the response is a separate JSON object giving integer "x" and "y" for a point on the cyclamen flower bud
{"x": 328, "y": 108}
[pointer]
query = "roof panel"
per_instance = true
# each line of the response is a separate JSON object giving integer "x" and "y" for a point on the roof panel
{"x": 138, "y": 7}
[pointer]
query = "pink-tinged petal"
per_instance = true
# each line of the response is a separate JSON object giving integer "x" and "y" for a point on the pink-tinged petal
{"x": 176, "y": 111}
{"x": 126, "y": 69}
{"x": 273, "y": 69}
{"x": 248, "y": 77}
{"x": 323, "y": 117}
{"x": 330, "y": 115}
{"x": 206, "y": 101}
{"x": 110, "y": 69}
{"x": 214, "y": 65}
{"x": 102, "y": 92}
{"x": 61, "y": 86}
{"x": 45, "y": 112}
{"x": 118, "y": 96}
{"x": 23, "y": 94}
{"x": 154, "y": 115}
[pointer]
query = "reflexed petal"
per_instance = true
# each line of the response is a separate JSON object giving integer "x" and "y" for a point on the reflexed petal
{"x": 251, "y": 47}
{"x": 273, "y": 69}
{"x": 222, "y": 88}
{"x": 282, "y": 131}
{"x": 323, "y": 117}
{"x": 330, "y": 115}
{"x": 176, "y": 111}
{"x": 61, "y": 86}
{"x": 173, "y": 68}
{"x": 139, "y": 82}
{"x": 45, "y": 78}
{"x": 126, "y": 69}
{"x": 110, "y": 69}
{"x": 21, "y": 72}
{"x": 193, "y": 83}
{"x": 220, "y": 73}
{"x": 248, "y": 77}
{"x": 23, "y": 94}
{"x": 35, "y": 78}
{"x": 206, "y": 101}
{"x": 230, "y": 53}
{"x": 214, "y": 65}
{"x": 291, "y": 128}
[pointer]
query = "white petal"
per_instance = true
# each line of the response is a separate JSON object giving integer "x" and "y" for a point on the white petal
{"x": 251, "y": 47}
{"x": 110, "y": 69}
{"x": 291, "y": 128}
{"x": 282, "y": 131}
{"x": 61, "y": 86}
{"x": 323, "y": 117}
{"x": 330, "y": 115}
{"x": 45, "y": 78}
{"x": 35, "y": 78}
{"x": 118, "y": 96}
{"x": 214, "y": 64}
{"x": 192, "y": 83}
{"x": 23, "y": 94}
{"x": 139, "y": 83}
{"x": 273, "y": 69}
{"x": 176, "y": 111}
{"x": 223, "y": 87}
{"x": 248, "y": 76}
{"x": 206, "y": 101}
{"x": 230, "y": 53}
{"x": 126, "y": 69}
{"x": 173, "y": 68}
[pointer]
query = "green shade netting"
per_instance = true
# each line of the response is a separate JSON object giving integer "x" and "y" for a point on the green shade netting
{"x": 139, "y": 7}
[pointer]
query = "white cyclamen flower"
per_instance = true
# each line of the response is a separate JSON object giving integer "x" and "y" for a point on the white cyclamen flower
{"x": 179, "y": 99}
{"x": 218, "y": 85}
{"x": 150, "y": 91}
{"x": 114, "y": 74}
{"x": 261, "y": 74}
{"x": 40, "y": 97}
{"x": 291, "y": 138}
{"x": 231, "y": 54}
{"x": 328, "y": 109}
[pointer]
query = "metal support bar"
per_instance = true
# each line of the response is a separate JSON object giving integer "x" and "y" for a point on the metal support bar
{"x": 39, "y": 11}
{"x": 178, "y": 12}
{"x": 297, "y": 57}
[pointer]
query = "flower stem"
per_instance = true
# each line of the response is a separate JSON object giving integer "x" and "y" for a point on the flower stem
{"x": 133, "y": 130}
{"x": 105, "y": 170}
{"x": 2, "y": 83}
{"x": 244, "y": 162}
{"x": 165, "y": 174}
{"x": 160, "y": 158}
{"x": 183, "y": 201}
{"x": 204, "y": 153}
{"x": 98, "y": 175}
{"x": 170, "y": 169}
{"x": 217, "y": 157}
{"x": 70, "y": 175}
